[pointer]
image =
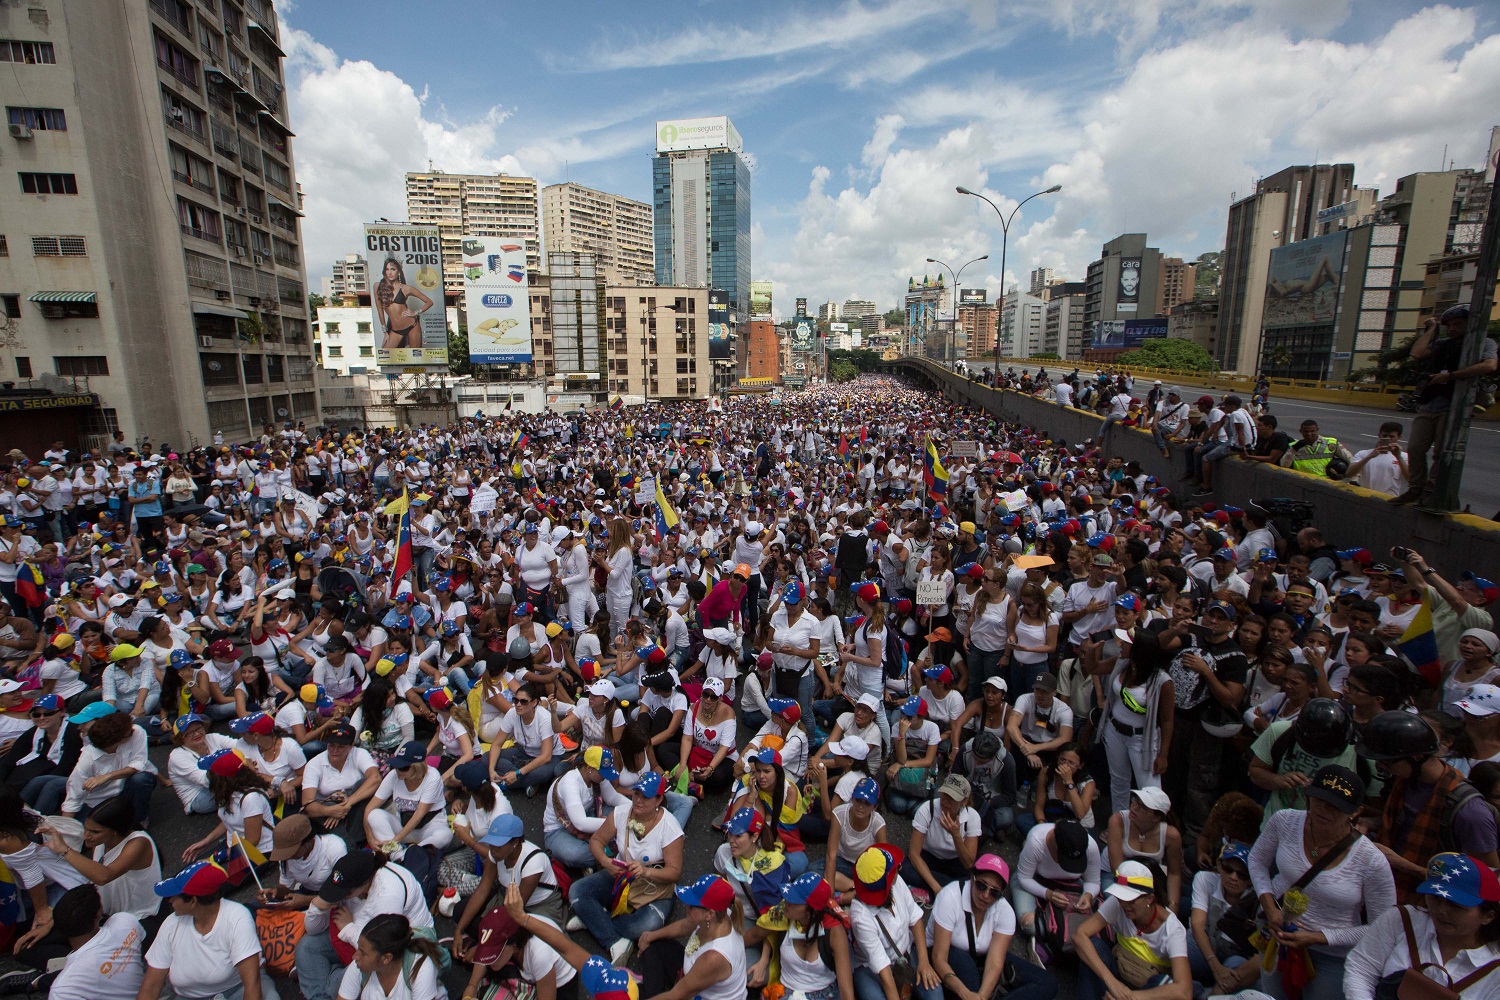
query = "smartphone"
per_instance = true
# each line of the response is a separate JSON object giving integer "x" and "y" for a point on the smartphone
{"x": 1101, "y": 635}
{"x": 1401, "y": 553}
{"x": 1200, "y": 632}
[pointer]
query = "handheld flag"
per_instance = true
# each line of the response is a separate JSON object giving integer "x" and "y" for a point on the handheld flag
{"x": 519, "y": 440}
{"x": 666, "y": 517}
{"x": 1418, "y": 644}
{"x": 401, "y": 508}
{"x": 618, "y": 403}
{"x": 934, "y": 476}
{"x": 843, "y": 446}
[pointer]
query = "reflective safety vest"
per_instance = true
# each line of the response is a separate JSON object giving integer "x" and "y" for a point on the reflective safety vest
{"x": 1315, "y": 457}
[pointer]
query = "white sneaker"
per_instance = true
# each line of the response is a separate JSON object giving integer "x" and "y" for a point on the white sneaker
{"x": 619, "y": 952}
{"x": 575, "y": 923}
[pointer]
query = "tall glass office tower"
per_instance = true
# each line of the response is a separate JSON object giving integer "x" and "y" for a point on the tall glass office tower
{"x": 701, "y": 209}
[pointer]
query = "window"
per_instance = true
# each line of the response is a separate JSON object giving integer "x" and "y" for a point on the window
{"x": 40, "y": 119}
{"x": 4, "y": 247}
{"x": 181, "y": 115}
{"x": 335, "y": 352}
{"x": 330, "y": 329}
{"x": 23, "y": 367}
{"x": 190, "y": 169}
{"x": 362, "y": 327}
{"x": 59, "y": 246}
{"x": 88, "y": 364}
{"x": 176, "y": 61}
{"x": 195, "y": 220}
{"x": 48, "y": 183}
{"x": 367, "y": 351}
{"x": 12, "y": 305}
{"x": 35, "y": 53}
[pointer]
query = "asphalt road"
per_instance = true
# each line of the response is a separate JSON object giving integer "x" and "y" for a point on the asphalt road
{"x": 173, "y": 832}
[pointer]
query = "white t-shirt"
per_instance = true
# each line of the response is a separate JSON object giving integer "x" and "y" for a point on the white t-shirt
{"x": 954, "y": 909}
{"x": 424, "y": 984}
{"x": 288, "y": 762}
{"x": 529, "y": 736}
{"x": 1382, "y": 473}
{"x": 405, "y": 800}
{"x": 939, "y": 842}
{"x": 244, "y": 806}
{"x": 68, "y": 682}
{"x": 311, "y": 872}
{"x": 108, "y": 966}
{"x": 188, "y": 779}
{"x": 540, "y": 958}
{"x": 649, "y": 849}
{"x": 871, "y": 950}
{"x": 323, "y": 776}
{"x": 1168, "y": 941}
{"x": 200, "y": 965}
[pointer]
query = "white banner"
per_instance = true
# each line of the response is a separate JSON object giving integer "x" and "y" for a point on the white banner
{"x": 306, "y": 504}
{"x": 497, "y": 299}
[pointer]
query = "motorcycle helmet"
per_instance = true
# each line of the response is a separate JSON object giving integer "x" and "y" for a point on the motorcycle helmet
{"x": 1323, "y": 728}
{"x": 1397, "y": 736}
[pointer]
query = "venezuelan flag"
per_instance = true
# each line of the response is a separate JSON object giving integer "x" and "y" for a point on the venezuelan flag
{"x": 1419, "y": 645}
{"x": 666, "y": 517}
{"x": 519, "y": 440}
{"x": 618, "y": 403}
{"x": 401, "y": 508}
{"x": 10, "y": 897}
{"x": 933, "y": 474}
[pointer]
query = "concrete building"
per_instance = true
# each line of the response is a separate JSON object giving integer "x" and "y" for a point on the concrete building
{"x": 344, "y": 342}
{"x": 828, "y": 311}
{"x": 474, "y": 205}
{"x": 156, "y": 283}
{"x": 1283, "y": 209}
{"x": 615, "y": 229}
{"x": 1063, "y": 332}
{"x": 1450, "y": 282}
{"x": 351, "y": 278}
{"x": 926, "y": 298}
{"x": 700, "y": 186}
{"x": 1124, "y": 283}
{"x": 657, "y": 342}
{"x": 1176, "y": 286}
{"x": 979, "y": 321}
{"x": 1196, "y": 320}
{"x": 1041, "y": 277}
{"x": 762, "y": 350}
{"x": 857, "y": 309}
{"x": 1023, "y": 322}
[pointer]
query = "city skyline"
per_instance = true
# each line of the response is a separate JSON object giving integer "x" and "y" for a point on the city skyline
{"x": 861, "y": 118}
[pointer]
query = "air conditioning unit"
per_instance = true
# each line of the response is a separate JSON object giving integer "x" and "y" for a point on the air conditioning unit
{"x": 259, "y": 259}
{"x": 221, "y": 295}
{"x": 239, "y": 210}
{"x": 205, "y": 342}
{"x": 254, "y": 300}
{"x": 239, "y": 251}
{"x": 22, "y": 132}
{"x": 257, "y": 218}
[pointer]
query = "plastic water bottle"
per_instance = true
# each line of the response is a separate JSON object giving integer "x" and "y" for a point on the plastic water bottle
{"x": 1025, "y": 794}
{"x": 448, "y": 901}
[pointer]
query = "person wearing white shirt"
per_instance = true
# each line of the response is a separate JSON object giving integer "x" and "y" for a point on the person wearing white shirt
{"x": 114, "y": 752}
{"x": 1142, "y": 926}
{"x": 969, "y": 936}
{"x": 392, "y": 964}
{"x": 364, "y": 885}
{"x": 208, "y": 946}
{"x": 577, "y": 804}
{"x": 887, "y": 924}
{"x": 105, "y": 956}
{"x": 1382, "y": 468}
{"x": 414, "y": 791}
{"x": 1062, "y": 854}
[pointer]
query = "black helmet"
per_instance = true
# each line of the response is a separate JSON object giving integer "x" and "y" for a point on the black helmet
{"x": 1397, "y": 736}
{"x": 1323, "y": 728}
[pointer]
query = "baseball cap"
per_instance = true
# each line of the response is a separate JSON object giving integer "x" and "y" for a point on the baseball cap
{"x": 601, "y": 688}
{"x": 438, "y": 699}
{"x": 914, "y": 706}
{"x": 503, "y": 829}
{"x": 1132, "y": 881}
{"x": 202, "y": 878}
{"x": 602, "y": 759}
{"x": 496, "y": 928}
{"x": 288, "y": 836}
{"x": 996, "y": 682}
{"x": 868, "y": 592}
{"x": 413, "y": 752}
{"x": 715, "y": 687}
{"x": 1224, "y": 608}
{"x": 48, "y": 703}
{"x": 875, "y": 870}
{"x": 869, "y": 701}
{"x": 939, "y": 634}
{"x": 1487, "y": 590}
{"x": 604, "y": 981}
{"x": 349, "y": 873}
{"x": 183, "y": 721}
{"x": 766, "y": 755}
{"x": 710, "y": 892}
{"x": 1072, "y": 842}
{"x": 851, "y": 746}
{"x": 87, "y": 713}
{"x": 745, "y": 821}
{"x": 342, "y": 734}
{"x": 258, "y": 723}
{"x": 955, "y": 787}
{"x": 1337, "y": 786}
{"x": 866, "y": 791}
{"x": 808, "y": 889}
{"x": 225, "y": 763}
{"x": 1046, "y": 681}
{"x": 1103, "y": 559}
{"x": 1460, "y": 879}
{"x": 993, "y": 863}
{"x": 651, "y": 784}
{"x": 1482, "y": 700}
{"x": 1361, "y": 556}
{"x": 1154, "y": 799}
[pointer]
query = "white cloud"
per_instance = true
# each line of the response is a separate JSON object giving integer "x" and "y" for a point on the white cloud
{"x": 1158, "y": 150}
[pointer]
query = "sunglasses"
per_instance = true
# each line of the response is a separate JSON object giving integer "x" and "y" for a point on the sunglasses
{"x": 988, "y": 888}
{"x": 38, "y": 714}
{"x": 519, "y": 702}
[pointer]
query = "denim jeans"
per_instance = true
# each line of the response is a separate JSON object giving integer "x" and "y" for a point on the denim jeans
{"x": 1032, "y": 981}
{"x": 983, "y": 664}
{"x": 45, "y": 793}
{"x": 318, "y": 968}
{"x": 867, "y": 986}
{"x": 514, "y": 759}
{"x": 1091, "y": 987}
{"x": 568, "y": 849}
{"x": 1202, "y": 972}
{"x": 591, "y": 898}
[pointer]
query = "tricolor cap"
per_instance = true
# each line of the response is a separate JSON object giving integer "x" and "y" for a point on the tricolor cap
{"x": 868, "y": 592}
{"x": 874, "y": 872}
{"x": 603, "y": 981}
{"x": 1266, "y": 555}
{"x": 792, "y": 593}
{"x": 310, "y": 693}
{"x": 1460, "y": 879}
{"x": 1360, "y": 556}
{"x": 438, "y": 699}
{"x": 182, "y": 722}
{"x": 767, "y": 756}
{"x": 1235, "y": 851}
{"x": 1487, "y": 590}
{"x": 787, "y": 708}
{"x": 1129, "y": 602}
{"x": 258, "y": 723}
{"x": 225, "y": 763}
{"x": 651, "y": 784}
{"x": 939, "y": 673}
{"x": 710, "y": 892}
{"x": 181, "y": 658}
{"x": 747, "y": 820}
{"x": 1226, "y": 553}
{"x": 201, "y": 878}
{"x": 1482, "y": 700}
{"x": 914, "y": 706}
{"x": 808, "y": 889}
{"x": 1132, "y": 881}
{"x": 48, "y": 703}
{"x": 602, "y": 759}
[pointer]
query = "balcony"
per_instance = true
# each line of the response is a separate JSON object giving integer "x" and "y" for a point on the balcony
{"x": 174, "y": 13}
{"x": 192, "y": 182}
{"x": 183, "y": 124}
{"x": 200, "y": 234}
{"x": 226, "y": 139}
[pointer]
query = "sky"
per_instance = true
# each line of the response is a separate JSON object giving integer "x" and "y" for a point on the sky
{"x": 860, "y": 118}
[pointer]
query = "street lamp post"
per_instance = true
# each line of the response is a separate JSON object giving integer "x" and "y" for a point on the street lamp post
{"x": 1005, "y": 221}
{"x": 953, "y": 291}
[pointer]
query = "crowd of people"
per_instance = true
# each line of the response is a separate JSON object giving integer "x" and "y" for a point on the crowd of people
{"x": 959, "y": 706}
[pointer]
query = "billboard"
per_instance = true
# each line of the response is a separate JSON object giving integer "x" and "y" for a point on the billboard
{"x": 802, "y": 335}
{"x": 697, "y": 133}
{"x": 1130, "y": 285}
{"x": 838, "y": 327}
{"x": 973, "y": 296}
{"x": 718, "y": 325}
{"x": 859, "y": 339}
{"x": 801, "y": 307}
{"x": 499, "y": 302}
{"x": 760, "y": 298}
{"x": 1127, "y": 334}
{"x": 406, "y": 296}
{"x": 1302, "y": 284}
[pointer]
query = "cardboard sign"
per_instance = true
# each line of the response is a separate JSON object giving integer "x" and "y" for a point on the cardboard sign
{"x": 931, "y": 590}
{"x": 963, "y": 449}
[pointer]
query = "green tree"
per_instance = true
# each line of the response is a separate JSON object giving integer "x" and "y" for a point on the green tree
{"x": 1045, "y": 356}
{"x": 458, "y": 351}
{"x": 1210, "y": 266}
{"x": 1170, "y": 355}
{"x": 842, "y": 371}
{"x": 863, "y": 360}
{"x": 895, "y": 317}
{"x": 314, "y": 303}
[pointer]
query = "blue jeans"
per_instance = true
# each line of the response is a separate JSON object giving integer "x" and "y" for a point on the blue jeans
{"x": 514, "y": 759}
{"x": 591, "y": 898}
{"x": 318, "y": 968}
{"x": 203, "y": 803}
{"x": 45, "y": 793}
{"x": 996, "y": 820}
{"x": 1091, "y": 987}
{"x": 681, "y": 807}
{"x": 867, "y": 986}
{"x": 220, "y": 711}
{"x": 1327, "y": 982}
{"x": 1202, "y": 972}
{"x": 568, "y": 849}
{"x": 1032, "y": 981}
{"x": 983, "y": 664}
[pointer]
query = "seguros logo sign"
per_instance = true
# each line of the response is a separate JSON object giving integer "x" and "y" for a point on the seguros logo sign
{"x": 667, "y": 134}
{"x": 498, "y": 300}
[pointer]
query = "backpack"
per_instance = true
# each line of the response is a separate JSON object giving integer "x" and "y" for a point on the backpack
{"x": 918, "y": 553}
{"x": 894, "y": 654}
{"x": 1459, "y": 796}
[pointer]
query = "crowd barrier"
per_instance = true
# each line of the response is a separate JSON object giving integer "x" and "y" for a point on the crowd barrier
{"x": 1350, "y": 517}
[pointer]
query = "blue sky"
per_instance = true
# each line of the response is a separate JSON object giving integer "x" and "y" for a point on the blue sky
{"x": 861, "y": 117}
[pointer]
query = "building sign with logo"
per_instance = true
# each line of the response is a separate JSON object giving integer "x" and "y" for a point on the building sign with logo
{"x": 697, "y": 133}
{"x": 47, "y": 403}
{"x": 406, "y": 296}
{"x": 718, "y": 325}
{"x": 499, "y": 303}
{"x": 973, "y": 296}
{"x": 1302, "y": 283}
{"x": 1127, "y": 334}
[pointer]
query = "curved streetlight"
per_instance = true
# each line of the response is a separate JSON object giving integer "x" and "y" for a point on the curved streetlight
{"x": 1005, "y": 221}
{"x": 953, "y": 289}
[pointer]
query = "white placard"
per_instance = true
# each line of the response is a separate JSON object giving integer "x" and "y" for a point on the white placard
{"x": 931, "y": 591}
{"x": 963, "y": 449}
{"x": 483, "y": 500}
{"x": 306, "y": 504}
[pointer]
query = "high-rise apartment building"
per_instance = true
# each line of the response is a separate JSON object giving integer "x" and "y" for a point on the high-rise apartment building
{"x": 700, "y": 187}
{"x": 615, "y": 229}
{"x": 856, "y": 309}
{"x": 351, "y": 278}
{"x": 1063, "y": 329}
{"x": 151, "y": 255}
{"x": 1284, "y": 209}
{"x": 1124, "y": 283}
{"x": 1175, "y": 285}
{"x": 1041, "y": 277}
{"x": 474, "y": 205}
{"x": 828, "y": 311}
{"x": 762, "y": 350}
{"x": 1023, "y": 322}
{"x": 980, "y": 321}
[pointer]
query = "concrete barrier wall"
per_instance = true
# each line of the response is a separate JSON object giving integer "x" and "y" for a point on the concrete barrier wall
{"x": 1350, "y": 517}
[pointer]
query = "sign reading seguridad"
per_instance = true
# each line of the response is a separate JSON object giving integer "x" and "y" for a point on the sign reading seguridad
{"x": 498, "y": 300}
